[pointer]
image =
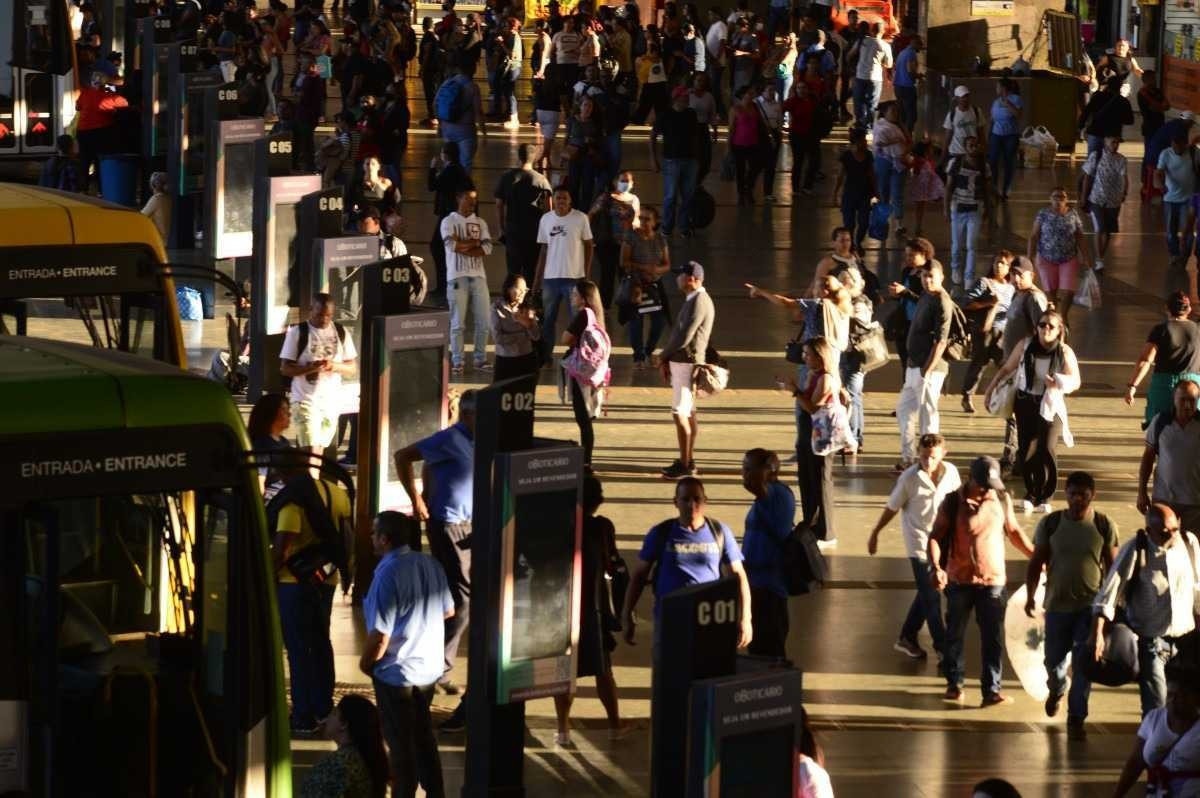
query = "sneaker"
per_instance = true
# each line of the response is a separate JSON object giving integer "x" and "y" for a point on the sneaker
{"x": 1045, "y": 508}
{"x": 956, "y": 277}
{"x": 995, "y": 700}
{"x": 447, "y": 687}
{"x": 484, "y": 366}
{"x": 953, "y": 693}
{"x": 692, "y": 471}
{"x": 909, "y": 648}
{"x": 1053, "y": 702}
{"x": 1076, "y": 730}
{"x": 676, "y": 470}
{"x": 1099, "y": 267}
{"x": 825, "y": 545}
{"x": 562, "y": 739}
{"x": 1026, "y": 506}
{"x": 968, "y": 406}
{"x": 457, "y": 371}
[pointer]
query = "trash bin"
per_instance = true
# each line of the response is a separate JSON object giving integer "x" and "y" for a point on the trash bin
{"x": 119, "y": 178}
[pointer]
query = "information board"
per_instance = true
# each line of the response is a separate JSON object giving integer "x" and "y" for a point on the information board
{"x": 229, "y": 191}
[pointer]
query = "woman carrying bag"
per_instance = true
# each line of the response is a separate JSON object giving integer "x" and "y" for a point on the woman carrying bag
{"x": 1173, "y": 351}
{"x": 1046, "y": 370}
{"x": 645, "y": 258}
{"x": 611, "y": 216}
{"x": 516, "y": 330}
{"x": 585, "y": 363}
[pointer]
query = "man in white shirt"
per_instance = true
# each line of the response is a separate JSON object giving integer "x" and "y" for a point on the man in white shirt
{"x": 467, "y": 242}
{"x": 918, "y": 494}
{"x": 715, "y": 39}
{"x": 316, "y": 355}
{"x": 565, "y": 241}
{"x": 874, "y": 56}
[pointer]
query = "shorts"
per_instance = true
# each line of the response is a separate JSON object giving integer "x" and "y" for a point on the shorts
{"x": 683, "y": 399}
{"x": 1106, "y": 220}
{"x": 314, "y": 425}
{"x": 1058, "y": 276}
{"x": 548, "y": 123}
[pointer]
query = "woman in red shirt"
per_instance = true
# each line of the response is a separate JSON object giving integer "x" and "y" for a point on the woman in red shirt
{"x": 802, "y": 136}
{"x": 96, "y": 109}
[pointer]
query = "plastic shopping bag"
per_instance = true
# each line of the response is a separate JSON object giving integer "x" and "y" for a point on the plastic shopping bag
{"x": 1088, "y": 293}
{"x": 877, "y": 226}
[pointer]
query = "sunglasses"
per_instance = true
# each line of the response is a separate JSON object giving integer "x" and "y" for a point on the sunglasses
{"x": 1046, "y": 325}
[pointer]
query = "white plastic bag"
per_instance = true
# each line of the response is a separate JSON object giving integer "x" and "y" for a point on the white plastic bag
{"x": 1088, "y": 293}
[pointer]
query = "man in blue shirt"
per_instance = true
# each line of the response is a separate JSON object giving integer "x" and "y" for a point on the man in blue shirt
{"x": 904, "y": 81}
{"x": 1177, "y": 175}
{"x": 449, "y": 455}
{"x": 405, "y": 613}
{"x": 768, "y": 526}
{"x": 688, "y": 552}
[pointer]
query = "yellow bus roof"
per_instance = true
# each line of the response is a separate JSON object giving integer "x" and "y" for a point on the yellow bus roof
{"x": 41, "y": 217}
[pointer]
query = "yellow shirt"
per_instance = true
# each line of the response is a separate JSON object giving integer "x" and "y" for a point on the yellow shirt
{"x": 293, "y": 522}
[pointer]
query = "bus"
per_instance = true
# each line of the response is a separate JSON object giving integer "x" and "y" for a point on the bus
{"x": 140, "y": 644}
{"x": 77, "y": 268}
{"x": 38, "y": 76}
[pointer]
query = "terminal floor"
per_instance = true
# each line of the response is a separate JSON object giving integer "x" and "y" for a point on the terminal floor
{"x": 885, "y": 730}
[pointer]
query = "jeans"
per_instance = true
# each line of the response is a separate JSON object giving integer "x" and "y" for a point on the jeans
{"x": 852, "y": 380}
{"x": 612, "y": 161}
{"x": 304, "y": 615}
{"x": 1177, "y": 225}
{"x": 866, "y": 100}
{"x": 506, "y": 86}
{"x": 889, "y": 182}
{"x": 917, "y": 409}
{"x": 467, "y": 145}
{"x": 964, "y": 231}
{"x": 1002, "y": 151}
{"x": 1153, "y": 653}
{"x": 856, "y": 215}
{"x": 806, "y": 158}
{"x": 679, "y": 185}
{"x": 520, "y": 256}
{"x": 658, "y": 321}
{"x": 1094, "y": 143}
{"x": 450, "y": 545}
{"x": 1066, "y": 640}
{"x": 907, "y": 95}
{"x": 926, "y": 608}
{"x": 989, "y": 605}
{"x": 583, "y": 419}
{"x": 715, "y": 72}
{"x": 466, "y": 291}
{"x": 608, "y": 257}
{"x": 412, "y": 746}
{"x": 554, "y": 291}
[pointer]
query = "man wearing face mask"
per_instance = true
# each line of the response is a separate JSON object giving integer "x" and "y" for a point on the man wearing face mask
{"x": 1155, "y": 573}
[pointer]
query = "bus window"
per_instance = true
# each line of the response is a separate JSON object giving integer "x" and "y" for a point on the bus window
{"x": 126, "y": 322}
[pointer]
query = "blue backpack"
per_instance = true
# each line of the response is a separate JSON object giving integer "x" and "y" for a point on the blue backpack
{"x": 450, "y": 98}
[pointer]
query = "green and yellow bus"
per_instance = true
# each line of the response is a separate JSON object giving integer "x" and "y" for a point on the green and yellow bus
{"x": 140, "y": 646}
{"x": 77, "y": 268}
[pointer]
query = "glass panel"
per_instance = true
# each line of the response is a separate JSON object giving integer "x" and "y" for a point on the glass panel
{"x": 92, "y": 321}
{"x": 543, "y": 569}
{"x": 8, "y": 130}
{"x": 41, "y": 117}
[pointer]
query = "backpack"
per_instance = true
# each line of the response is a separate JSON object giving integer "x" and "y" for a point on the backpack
{"x": 1103, "y": 525}
{"x": 450, "y": 98}
{"x": 302, "y": 344}
{"x": 663, "y": 530}
{"x": 588, "y": 362}
{"x": 316, "y": 563}
{"x": 804, "y": 566}
{"x": 958, "y": 341}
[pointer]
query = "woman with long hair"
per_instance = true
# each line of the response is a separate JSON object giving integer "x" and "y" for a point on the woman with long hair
{"x": 612, "y": 216}
{"x": 374, "y": 188}
{"x": 986, "y": 306}
{"x": 586, "y": 398}
{"x": 359, "y": 766}
{"x": 821, "y": 387}
{"x": 645, "y": 258}
{"x": 745, "y": 134}
{"x": 1173, "y": 351}
{"x": 1046, "y": 371}
{"x": 269, "y": 419}
{"x": 515, "y": 330}
{"x": 812, "y": 780}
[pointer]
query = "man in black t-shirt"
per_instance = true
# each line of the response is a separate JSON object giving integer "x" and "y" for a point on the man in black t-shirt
{"x": 521, "y": 198}
{"x": 679, "y": 127}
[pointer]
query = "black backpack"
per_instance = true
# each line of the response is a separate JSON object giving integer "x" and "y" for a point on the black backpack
{"x": 302, "y": 344}
{"x": 958, "y": 341}
{"x": 316, "y": 563}
{"x": 805, "y": 569}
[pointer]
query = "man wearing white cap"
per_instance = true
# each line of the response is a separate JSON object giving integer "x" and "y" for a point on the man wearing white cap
{"x": 964, "y": 121}
{"x": 683, "y": 350}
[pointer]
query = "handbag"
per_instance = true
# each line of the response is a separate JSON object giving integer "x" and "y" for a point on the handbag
{"x": 712, "y": 376}
{"x": 625, "y": 291}
{"x": 804, "y": 566}
{"x": 831, "y": 430}
{"x": 869, "y": 342}
{"x": 1119, "y": 665}
{"x": 1002, "y": 398}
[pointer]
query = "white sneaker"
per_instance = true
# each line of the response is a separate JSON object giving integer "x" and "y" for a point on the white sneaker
{"x": 1026, "y": 506}
{"x": 956, "y": 277}
{"x": 1045, "y": 508}
{"x": 562, "y": 739}
{"x": 824, "y": 545}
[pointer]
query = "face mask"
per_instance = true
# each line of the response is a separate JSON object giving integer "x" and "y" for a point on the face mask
{"x": 623, "y": 186}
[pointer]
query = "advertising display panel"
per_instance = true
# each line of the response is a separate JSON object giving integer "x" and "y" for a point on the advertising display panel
{"x": 229, "y": 189}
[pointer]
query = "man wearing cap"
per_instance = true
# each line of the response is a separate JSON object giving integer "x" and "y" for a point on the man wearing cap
{"x": 874, "y": 56}
{"x": 963, "y": 121}
{"x": 684, "y": 349}
{"x": 970, "y": 528}
{"x": 679, "y": 127}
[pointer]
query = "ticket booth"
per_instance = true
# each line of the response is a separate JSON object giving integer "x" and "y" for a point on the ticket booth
{"x": 320, "y": 217}
{"x": 275, "y": 221}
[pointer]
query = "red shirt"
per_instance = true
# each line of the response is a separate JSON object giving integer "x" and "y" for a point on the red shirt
{"x": 800, "y": 111}
{"x": 97, "y": 107}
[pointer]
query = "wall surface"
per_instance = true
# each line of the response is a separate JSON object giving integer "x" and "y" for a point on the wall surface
{"x": 958, "y": 31}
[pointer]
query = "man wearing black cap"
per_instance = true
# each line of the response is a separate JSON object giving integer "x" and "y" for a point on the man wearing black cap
{"x": 683, "y": 350}
{"x": 970, "y": 527}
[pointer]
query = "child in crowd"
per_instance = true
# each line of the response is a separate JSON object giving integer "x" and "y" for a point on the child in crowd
{"x": 926, "y": 187}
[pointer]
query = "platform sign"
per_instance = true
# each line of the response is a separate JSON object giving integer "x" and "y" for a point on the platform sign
{"x": 275, "y": 222}
{"x": 229, "y": 188}
{"x": 745, "y": 735}
{"x": 541, "y": 569}
{"x": 697, "y": 630}
{"x": 407, "y": 382}
{"x": 321, "y": 216}
{"x": 387, "y": 287}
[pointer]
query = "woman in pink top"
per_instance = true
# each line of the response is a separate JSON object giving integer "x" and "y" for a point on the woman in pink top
{"x": 744, "y": 132}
